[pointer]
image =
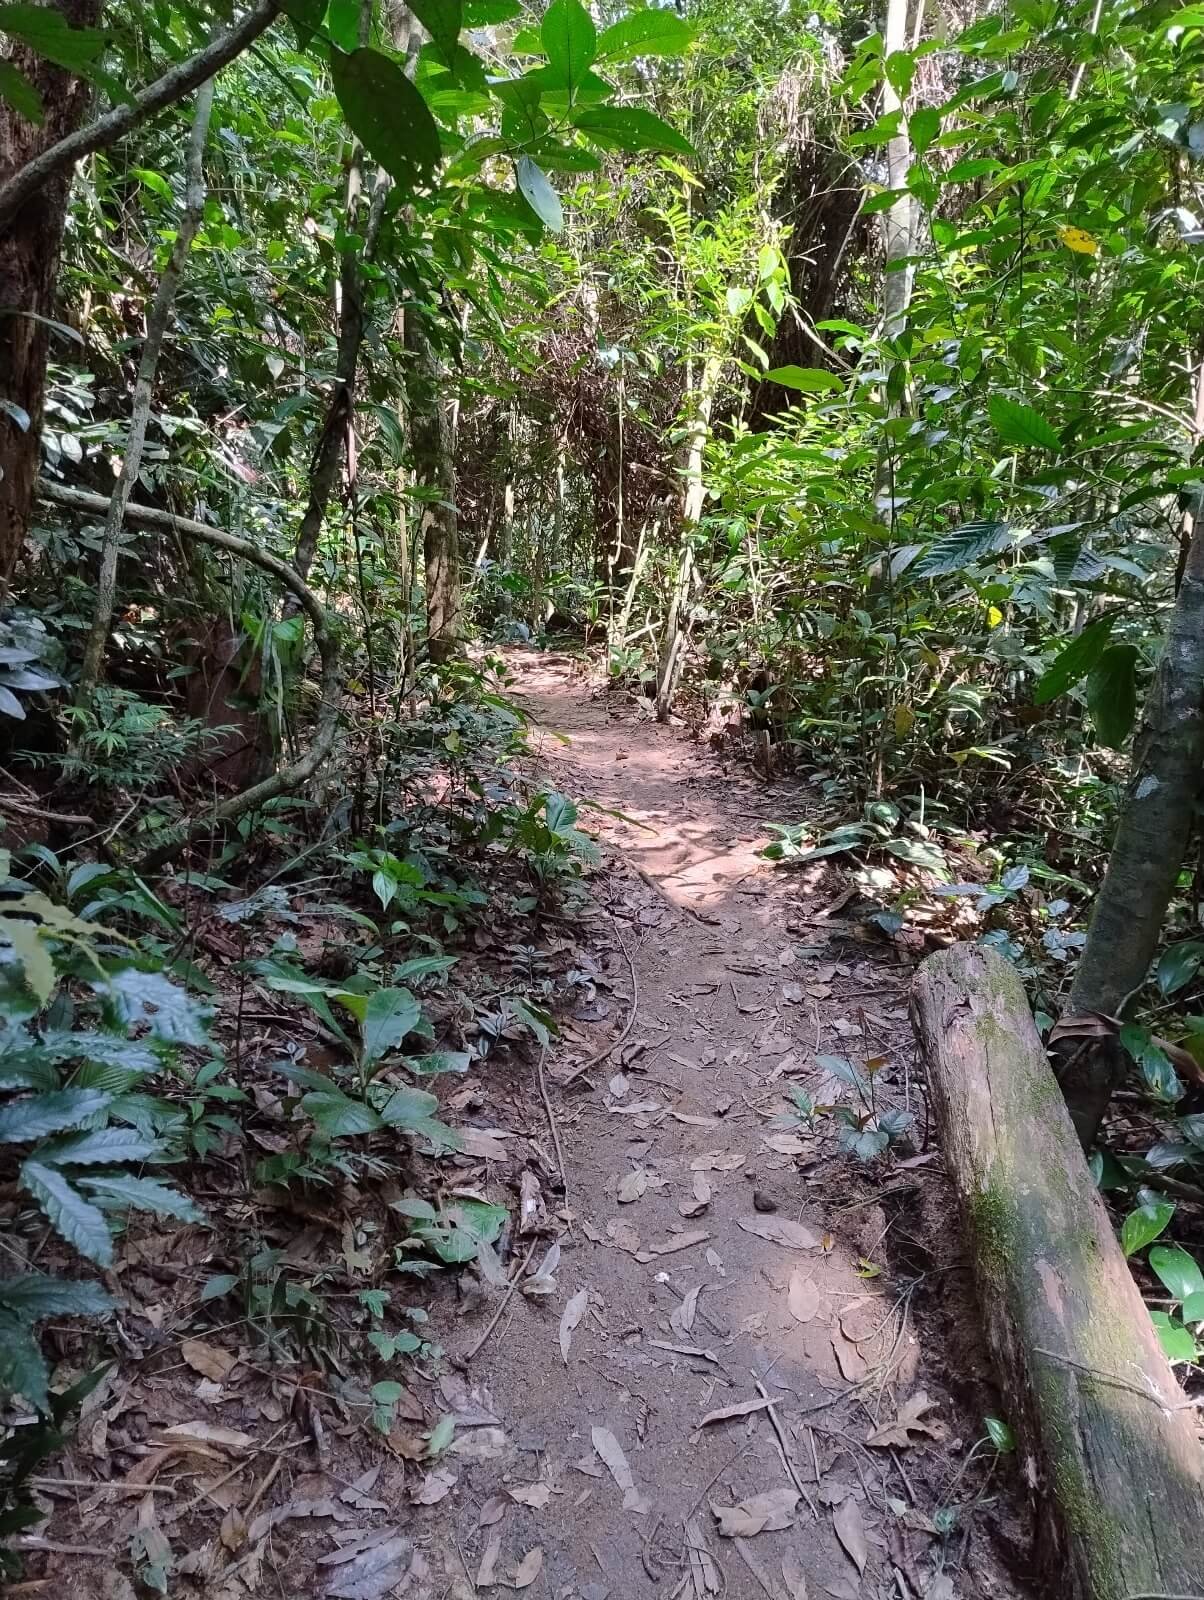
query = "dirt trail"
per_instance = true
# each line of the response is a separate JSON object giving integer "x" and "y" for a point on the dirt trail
{"x": 677, "y": 1183}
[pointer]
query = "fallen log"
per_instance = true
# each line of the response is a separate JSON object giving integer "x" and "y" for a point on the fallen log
{"x": 1108, "y": 1443}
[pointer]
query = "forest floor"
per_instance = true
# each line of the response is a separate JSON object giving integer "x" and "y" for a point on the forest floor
{"x": 755, "y": 1368}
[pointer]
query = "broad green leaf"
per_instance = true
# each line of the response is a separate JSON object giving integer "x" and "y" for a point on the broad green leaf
{"x": 391, "y": 1014}
{"x": 961, "y": 548}
{"x": 336, "y": 1115}
{"x": 17, "y": 91}
{"x": 655, "y": 31}
{"x": 1176, "y": 1270}
{"x": 23, "y": 1368}
{"x": 570, "y": 41}
{"x": 46, "y": 31}
{"x": 387, "y": 114}
{"x": 1177, "y": 1343}
{"x": 900, "y": 70}
{"x": 1192, "y": 1309}
{"x": 106, "y": 1146}
{"x": 1177, "y": 966}
{"x": 441, "y": 1436}
{"x": 442, "y": 19}
{"x": 35, "y": 1295}
{"x": 539, "y": 194}
{"x": 807, "y": 380}
{"x": 1153, "y": 1062}
{"x": 171, "y": 1013}
{"x": 1018, "y": 424}
{"x": 408, "y": 1108}
{"x": 629, "y": 128}
{"x": 437, "y": 1061}
{"x": 342, "y": 23}
{"x": 37, "y": 963}
{"x": 1112, "y": 694}
{"x": 79, "y": 1222}
{"x": 924, "y": 128}
{"x": 22, "y": 1120}
{"x": 143, "y": 1194}
{"x": 1000, "y": 1435}
{"x": 1075, "y": 660}
{"x": 1143, "y": 1225}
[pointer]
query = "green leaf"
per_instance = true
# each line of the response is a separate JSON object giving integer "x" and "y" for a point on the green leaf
{"x": 391, "y": 1014}
{"x": 655, "y": 31}
{"x": 961, "y": 548}
{"x": 408, "y": 1108}
{"x": 1177, "y": 1343}
{"x": 924, "y": 128}
{"x": 35, "y": 1295}
{"x": 105, "y": 1147}
{"x": 443, "y": 20}
{"x": 387, "y": 114}
{"x": 336, "y": 1115}
{"x": 76, "y": 1219}
{"x": 46, "y": 31}
{"x": 441, "y": 1436}
{"x": 20, "y": 94}
{"x": 900, "y": 69}
{"x": 23, "y": 1368}
{"x": 21, "y": 1120}
{"x": 1019, "y": 424}
{"x": 570, "y": 41}
{"x": 629, "y": 128}
{"x": 1153, "y": 1062}
{"x": 143, "y": 1194}
{"x": 1177, "y": 966}
{"x": 1112, "y": 694}
{"x": 137, "y": 997}
{"x": 1000, "y": 1435}
{"x": 37, "y": 963}
{"x": 807, "y": 380}
{"x": 1192, "y": 1309}
{"x": 539, "y": 194}
{"x": 1144, "y": 1224}
{"x": 1075, "y": 661}
{"x": 1176, "y": 1270}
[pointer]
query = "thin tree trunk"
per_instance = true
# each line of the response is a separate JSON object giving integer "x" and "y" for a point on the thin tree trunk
{"x": 433, "y": 467}
{"x": 152, "y": 348}
{"x": 30, "y": 241}
{"x": 669, "y": 664}
{"x": 1151, "y": 841}
{"x": 898, "y": 221}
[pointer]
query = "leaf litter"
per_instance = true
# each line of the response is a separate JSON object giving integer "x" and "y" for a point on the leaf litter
{"x": 611, "y": 1453}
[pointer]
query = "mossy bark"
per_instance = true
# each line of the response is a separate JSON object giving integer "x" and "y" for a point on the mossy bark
{"x": 1108, "y": 1445}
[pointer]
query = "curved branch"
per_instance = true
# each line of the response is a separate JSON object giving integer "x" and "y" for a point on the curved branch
{"x": 286, "y": 779}
{"x": 173, "y": 85}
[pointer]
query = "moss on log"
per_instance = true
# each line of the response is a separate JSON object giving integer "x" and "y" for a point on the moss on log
{"x": 1109, "y": 1446}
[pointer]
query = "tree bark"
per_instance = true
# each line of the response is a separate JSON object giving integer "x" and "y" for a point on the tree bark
{"x": 148, "y": 366}
{"x": 1107, "y": 1441}
{"x": 30, "y": 241}
{"x": 1148, "y": 850}
{"x": 897, "y": 222}
{"x": 434, "y": 474}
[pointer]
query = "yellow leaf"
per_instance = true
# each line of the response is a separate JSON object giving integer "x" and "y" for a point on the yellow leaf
{"x": 35, "y": 958}
{"x": 905, "y": 721}
{"x": 994, "y": 616}
{"x": 1078, "y": 240}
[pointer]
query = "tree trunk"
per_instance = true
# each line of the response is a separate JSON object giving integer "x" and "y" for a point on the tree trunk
{"x": 29, "y": 261}
{"x": 897, "y": 222}
{"x": 669, "y": 664}
{"x": 434, "y": 474}
{"x": 1107, "y": 1441}
{"x": 148, "y": 366}
{"x": 1148, "y": 850}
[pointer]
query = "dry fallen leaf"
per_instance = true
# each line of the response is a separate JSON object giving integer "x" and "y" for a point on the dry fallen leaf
{"x": 718, "y": 1161}
{"x": 374, "y": 1572}
{"x": 611, "y": 1452}
{"x": 633, "y": 1187}
{"x": 906, "y": 1423}
{"x": 793, "y": 1575}
{"x": 487, "y": 1571}
{"x": 625, "y": 1237}
{"x": 780, "y": 1230}
{"x": 571, "y": 1317}
{"x": 703, "y": 1571}
{"x": 676, "y": 1241}
{"x": 784, "y": 1144}
{"x": 849, "y": 1358}
{"x": 744, "y": 1409}
{"x": 435, "y": 1486}
{"x": 762, "y": 1513}
{"x": 208, "y": 1360}
{"x": 701, "y": 1200}
{"x": 535, "y": 1495}
{"x": 207, "y": 1433}
{"x": 683, "y": 1317}
{"x": 802, "y": 1297}
{"x": 492, "y": 1511}
{"x": 850, "y": 1530}
{"x": 528, "y": 1568}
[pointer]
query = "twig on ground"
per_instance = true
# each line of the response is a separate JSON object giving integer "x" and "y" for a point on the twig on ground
{"x": 551, "y": 1116}
{"x": 1114, "y": 1381}
{"x": 22, "y": 808}
{"x": 770, "y": 1405}
{"x": 503, "y": 1303}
